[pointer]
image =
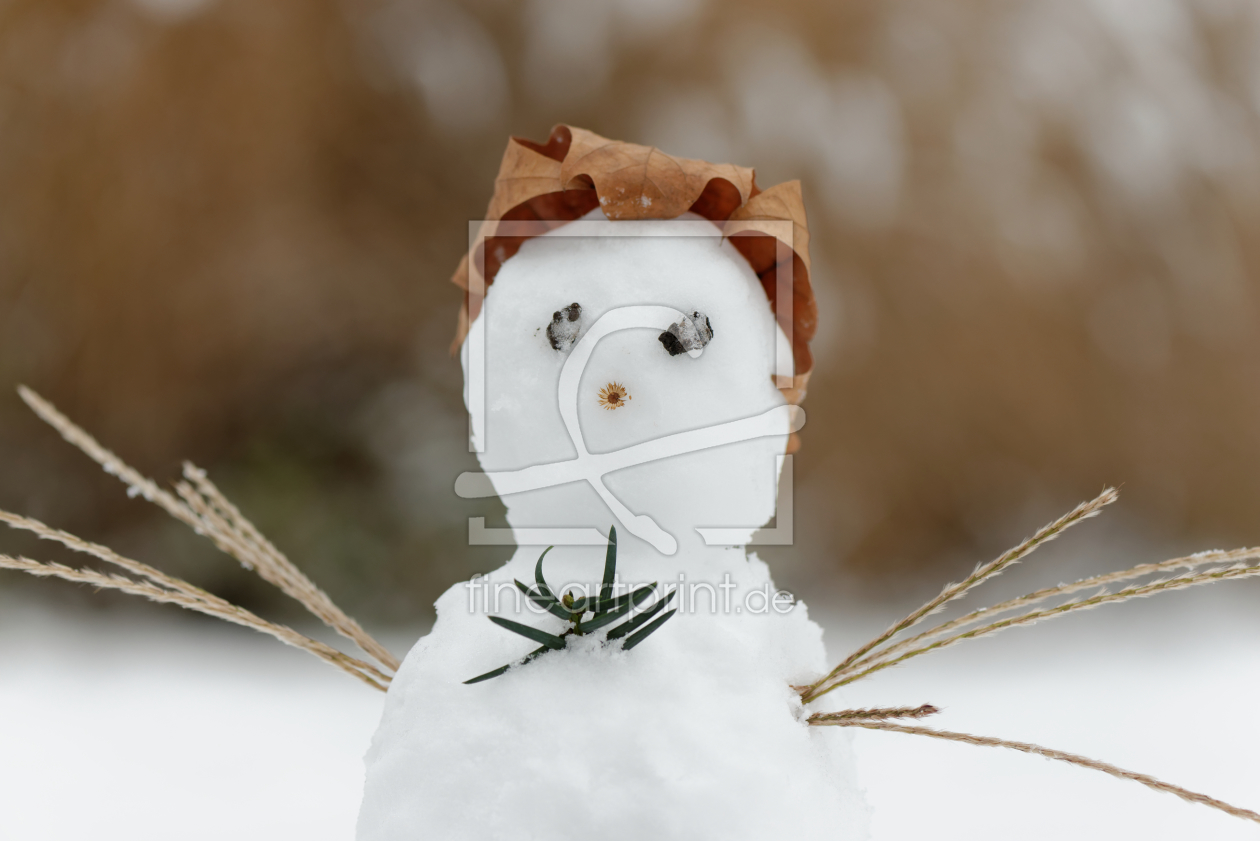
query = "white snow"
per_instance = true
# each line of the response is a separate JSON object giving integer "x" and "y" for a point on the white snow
{"x": 161, "y": 727}
{"x": 1151, "y": 687}
{"x": 279, "y": 737}
{"x": 692, "y": 734}
{"x": 696, "y": 732}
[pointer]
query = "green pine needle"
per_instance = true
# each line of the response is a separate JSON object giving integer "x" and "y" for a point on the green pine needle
{"x": 639, "y": 636}
{"x": 549, "y": 640}
{"x": 605, "y": 610}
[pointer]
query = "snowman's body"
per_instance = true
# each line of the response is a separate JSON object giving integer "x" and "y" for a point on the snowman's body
{"x": 695, "y": 733}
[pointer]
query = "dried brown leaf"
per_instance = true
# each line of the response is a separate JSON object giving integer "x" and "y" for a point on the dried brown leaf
{"x": 577, "y": 170}
{"x": 642, "y": 182}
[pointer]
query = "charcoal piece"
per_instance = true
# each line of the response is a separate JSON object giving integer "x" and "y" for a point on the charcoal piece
{"x": 692, "y": 333}
{"x": 671, "y": 343}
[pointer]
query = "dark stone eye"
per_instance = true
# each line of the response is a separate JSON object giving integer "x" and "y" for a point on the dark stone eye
{"x": 692, "y": 333}
{"x": 563, "y": 330}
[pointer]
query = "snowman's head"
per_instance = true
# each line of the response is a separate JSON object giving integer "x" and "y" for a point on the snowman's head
{"x": 570, "y": 342}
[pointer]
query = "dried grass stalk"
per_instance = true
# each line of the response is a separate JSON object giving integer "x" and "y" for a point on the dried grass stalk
{"x": 875, "y": 714}
{"x": 1084, "y": 762}
{"x": 168, "y": 590}
{"x": 953, "y": 591}
{"x": 1179, "y": 582}
{"x": 1199, "y": 559}
{"x": 201, "y": 506}
{"x": 879, "y": 654}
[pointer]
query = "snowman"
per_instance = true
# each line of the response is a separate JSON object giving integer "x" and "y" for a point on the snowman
{"x": 619, "y": 374}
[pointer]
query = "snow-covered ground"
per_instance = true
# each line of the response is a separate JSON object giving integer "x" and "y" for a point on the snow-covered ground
{"x": 1167, "y": 692}
{"x": 173, "y": 730}
{"x": 150, "y": 729}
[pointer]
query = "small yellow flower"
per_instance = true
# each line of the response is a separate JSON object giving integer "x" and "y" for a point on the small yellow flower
{"x": 613, "y": 396}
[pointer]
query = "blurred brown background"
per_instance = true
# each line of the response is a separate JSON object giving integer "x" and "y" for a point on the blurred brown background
{"x": 226, "y": 228}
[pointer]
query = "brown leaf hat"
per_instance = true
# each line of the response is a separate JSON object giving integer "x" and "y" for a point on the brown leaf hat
{"x": 576, "y": 171}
